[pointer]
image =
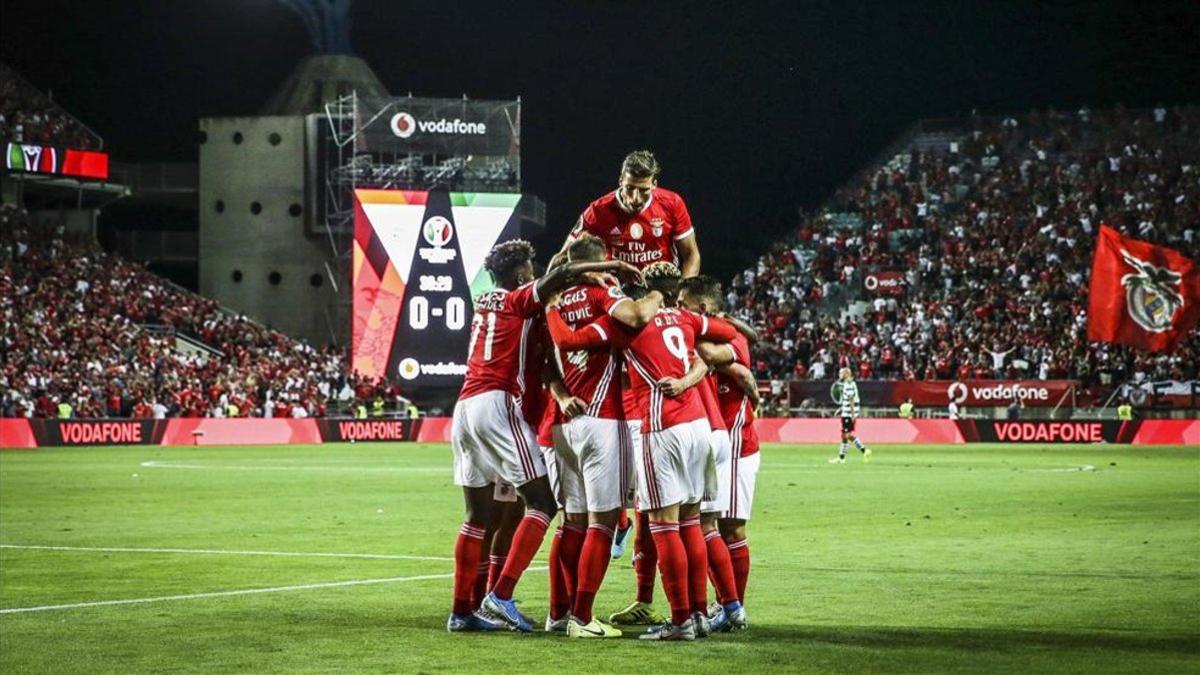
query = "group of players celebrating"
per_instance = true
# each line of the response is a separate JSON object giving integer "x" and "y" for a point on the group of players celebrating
{"x": 588, "y": 397}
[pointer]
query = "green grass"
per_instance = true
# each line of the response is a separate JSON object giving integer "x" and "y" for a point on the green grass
{"x": 928, "y": 559}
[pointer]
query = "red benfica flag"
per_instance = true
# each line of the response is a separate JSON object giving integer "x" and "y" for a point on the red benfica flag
{"x": 1141, "y": 295}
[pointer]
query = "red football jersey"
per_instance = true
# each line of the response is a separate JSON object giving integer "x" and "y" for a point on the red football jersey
{"x": 664, "y": 348}
{"x": 499, "y": 339}
{"x": 535, "y": 396}
{"x": 628, "y": 400}
{"x": 712, "y": 407}
{"x": 641, "y": 238}
{"x": 591, "y": 374}
{"x": 545, "y": 426}
{"x": 736, "y": 407}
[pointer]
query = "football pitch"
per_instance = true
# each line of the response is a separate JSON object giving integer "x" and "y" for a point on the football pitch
{"x": 339, "y": 558}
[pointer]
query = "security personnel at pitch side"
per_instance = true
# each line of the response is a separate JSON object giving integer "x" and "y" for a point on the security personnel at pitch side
{"x": 906, "y": 409}
{"x": 1125, "y": 412}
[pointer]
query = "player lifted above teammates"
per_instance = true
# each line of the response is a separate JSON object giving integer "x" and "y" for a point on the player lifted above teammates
{"x": 641, "y": 223}
{"x": 845, "y": 395}
{"x": 489, "y": 437}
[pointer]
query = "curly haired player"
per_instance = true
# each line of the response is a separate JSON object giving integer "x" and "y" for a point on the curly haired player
{"x": 491, "y": 439}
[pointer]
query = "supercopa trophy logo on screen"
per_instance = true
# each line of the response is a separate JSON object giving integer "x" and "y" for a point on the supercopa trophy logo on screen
{"x": 438, "y": 231}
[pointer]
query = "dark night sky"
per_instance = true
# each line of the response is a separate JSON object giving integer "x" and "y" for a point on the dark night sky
{"x": 754, "y": 108}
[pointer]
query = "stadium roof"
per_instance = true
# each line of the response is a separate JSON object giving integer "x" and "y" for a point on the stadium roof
{"x": 319, "y": 79}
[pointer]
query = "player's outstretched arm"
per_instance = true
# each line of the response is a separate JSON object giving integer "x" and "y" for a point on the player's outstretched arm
{"x": 742, "y": 327}
{"x": 745, "y": 379}
{"x": 566, "y": 274}
{"x": 715, "y": 355}
{"x": 637, "y": 313}
{"x": 587, "y": 337}
{"x": 689, "y": 256}
{"x": 674, "y": 386}
{"x": 715, "y": 330}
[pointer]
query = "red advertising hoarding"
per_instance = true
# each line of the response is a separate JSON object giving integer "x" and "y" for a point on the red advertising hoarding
{"x": 939, "y": 393}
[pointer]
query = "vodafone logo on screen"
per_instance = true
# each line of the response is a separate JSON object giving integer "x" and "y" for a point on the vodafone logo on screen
{"x": 404, "y": 125}
{"x": 960, "y": 392}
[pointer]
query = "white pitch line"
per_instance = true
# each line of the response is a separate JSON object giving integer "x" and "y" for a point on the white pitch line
{"x": 226, "y": 594}
{"x": 1073, "y": 469}
{"x": 206, "y": 551}
{"x": 222, "y": 594}
{"x": 154, "y": 464}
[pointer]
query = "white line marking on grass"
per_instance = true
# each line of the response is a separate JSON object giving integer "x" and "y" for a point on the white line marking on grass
{"x": 207, "y": 551}
{"x": 311, "y": 467}
{"x": 223, "y": 594}
{"x": 1070, "y": 469}
{"x": 226, "y": 594}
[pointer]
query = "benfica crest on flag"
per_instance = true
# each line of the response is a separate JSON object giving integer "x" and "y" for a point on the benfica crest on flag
{"x": 1141, "y": 295}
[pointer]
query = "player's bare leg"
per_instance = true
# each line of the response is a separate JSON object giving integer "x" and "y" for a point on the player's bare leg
{"x": 624, "y": 524}
{"x": 468, "y": 551}
{"x": 540, "y": 509}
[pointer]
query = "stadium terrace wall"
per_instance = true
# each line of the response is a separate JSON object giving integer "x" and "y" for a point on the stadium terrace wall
{"x": 28, "y": 434}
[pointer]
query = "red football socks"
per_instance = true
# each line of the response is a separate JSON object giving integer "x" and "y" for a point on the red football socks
{"x": 525, "y": 544}
{"x": 697, "y": 560}
{"x": 720, "y": 568}
{"x": 593, "y": 563}
{"x": 739, "y": 556}
{"x": 673, "y": 564}
{"x": 645, "y": 559}
{"x": 569, "y": 551}
{"x": 467, "y": 550}
{"x": 481, "y": 585}
{"x": 560, "y": 597}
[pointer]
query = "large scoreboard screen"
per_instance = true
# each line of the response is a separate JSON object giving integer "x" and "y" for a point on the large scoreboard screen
{"x": 417, "y": 265}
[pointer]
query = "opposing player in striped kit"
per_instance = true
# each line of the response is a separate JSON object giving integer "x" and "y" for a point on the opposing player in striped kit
{"x": 845, "y": 394}
{"x": 492, "y": 441}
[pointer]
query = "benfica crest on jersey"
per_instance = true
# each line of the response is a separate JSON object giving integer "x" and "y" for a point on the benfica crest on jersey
{"x": 1142, "y": 295}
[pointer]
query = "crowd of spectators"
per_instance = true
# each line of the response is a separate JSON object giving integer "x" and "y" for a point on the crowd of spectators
{"x": 29, "y": 116}
{"x": 89, "y": 330}
{"x": 992, "y": 226}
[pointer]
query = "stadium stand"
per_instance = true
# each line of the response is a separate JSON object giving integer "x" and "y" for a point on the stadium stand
{"x": 990, "y": 220}
{"x": 992, "y": 223}
{"x": 29, "y": 116}
{"x": 84, "y": 327}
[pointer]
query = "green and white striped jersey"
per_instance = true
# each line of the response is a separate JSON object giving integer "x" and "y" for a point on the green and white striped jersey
{"x": 845, "y": 395}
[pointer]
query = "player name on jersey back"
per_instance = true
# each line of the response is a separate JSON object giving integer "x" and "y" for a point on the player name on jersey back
{"x": 592, "y": 374}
